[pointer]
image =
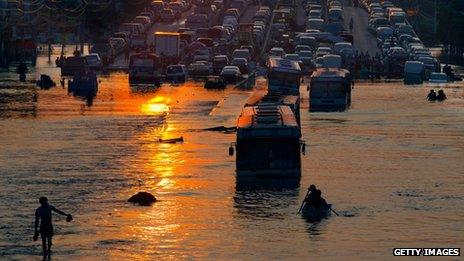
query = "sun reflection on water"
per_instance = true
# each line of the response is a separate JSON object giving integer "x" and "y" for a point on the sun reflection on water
{"x": 155, "y": 106}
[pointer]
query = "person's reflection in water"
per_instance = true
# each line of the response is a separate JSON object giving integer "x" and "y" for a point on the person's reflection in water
{"x": 89, "y": 100}
{"x": 44, "y": 215}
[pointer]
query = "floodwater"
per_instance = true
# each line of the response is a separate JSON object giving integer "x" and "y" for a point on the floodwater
{"x": 391, "y": 166}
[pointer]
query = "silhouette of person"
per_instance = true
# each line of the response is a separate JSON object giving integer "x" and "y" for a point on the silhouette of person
{"x": 441, "y": 96}
{"x": 312, "y": 192}
{"x": 44, "y": 214}
{"x": 432, "y": 96}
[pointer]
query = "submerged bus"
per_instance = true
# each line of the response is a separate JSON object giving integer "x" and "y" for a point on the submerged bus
{"x": 330, "y": 90}
{"x": 268, "y": 142}
{"x": 284, "y": 76}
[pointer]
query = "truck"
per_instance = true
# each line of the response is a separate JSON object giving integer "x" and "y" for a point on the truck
{"x": 167, "y": 44}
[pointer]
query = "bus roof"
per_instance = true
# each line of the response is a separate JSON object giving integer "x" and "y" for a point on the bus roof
{"x": 277, "y": 98}
{"x": 330, "y": 73}
{"x": 167, "y": 33}
{"x": 267, "y": 116}
{"x": 284, "y": 65}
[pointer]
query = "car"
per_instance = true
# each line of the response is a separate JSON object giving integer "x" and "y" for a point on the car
{"x": 176, "y": 7}
{"x": 138, "y": 42}
{"x": 94, "y": 61}
{"x": 168, "y": 15}
{"x": 277, "y": 52}
{"x": 105, "y": 51}
{"x": 338, "y": 47}
{"x": 231, "y": 73}
{"x": 301, "y": 47}
{"x": 123, "y": 35}
{"x": 150, "y": 15}
{"x": 158, "y": 6}
{"x": 219, "y": 62}
{"x": 199, "y": 69}
{"x": 321, "y": 51}
{"x": 437, "y": 77}
{"x": 119, "y": 44}
{"x": 306, "y": 57}
{"x": 335, "y": 14}
{"x": 143, "y": 20}
{"x": 215, "y": 82}
{"x": 242, "y": 64}
{"x": 430, "y": 63}
{"x": 177, "y": 73}
{"x": 132, "y": 28}
{"x": 195, "y": 21}
{"x": 241, "y": 53}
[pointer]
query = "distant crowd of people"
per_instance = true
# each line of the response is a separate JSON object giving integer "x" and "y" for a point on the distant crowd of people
{"x": 365, "y": 66}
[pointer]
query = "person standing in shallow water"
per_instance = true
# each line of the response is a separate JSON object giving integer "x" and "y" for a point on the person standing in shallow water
{"x": 44, "y": 214}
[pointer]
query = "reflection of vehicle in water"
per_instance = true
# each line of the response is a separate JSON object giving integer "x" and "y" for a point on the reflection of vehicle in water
{"x": 143, "y": 69}
{"x": 268, "y": 142}
{"x": 264, "y": 197}
{"x": 330, "y": 90}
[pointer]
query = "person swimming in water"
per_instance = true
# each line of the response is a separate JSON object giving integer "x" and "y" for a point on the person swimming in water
{"x": 441, "y": 96}
{"x": 432, "y": 96}
{"x": 44, "y": 215}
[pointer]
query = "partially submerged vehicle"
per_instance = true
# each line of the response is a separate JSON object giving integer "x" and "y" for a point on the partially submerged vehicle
{"x": 143, "y": 69}
{"x": 268, "y": 142}
{"x": 215, "y": 82}
{"x": 73, "y": 65}
{"x": 84, "y": 85}
{"x": 330, "y": 90}
{"x": 177, "y": 73}
{"x": 414, "y": 72}
{"x": 284, "y": 76}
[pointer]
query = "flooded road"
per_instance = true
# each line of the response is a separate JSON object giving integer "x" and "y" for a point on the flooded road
{"x": 392, "y": 167}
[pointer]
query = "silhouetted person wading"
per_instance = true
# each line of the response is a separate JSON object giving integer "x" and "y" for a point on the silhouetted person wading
{"x": 44, "y": 214}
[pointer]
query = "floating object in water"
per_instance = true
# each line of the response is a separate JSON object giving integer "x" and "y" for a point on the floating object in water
{"x": 45, "y": 82}
{"x": 143, "y": 199}
{"x": 222, "y": 128}
{"x": 174, "y": 140}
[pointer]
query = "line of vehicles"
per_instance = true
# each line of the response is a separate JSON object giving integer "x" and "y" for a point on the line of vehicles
{"x": 400, "y": 46}
{"x": 268, "y": 140}
{"x": 228, "y": 50}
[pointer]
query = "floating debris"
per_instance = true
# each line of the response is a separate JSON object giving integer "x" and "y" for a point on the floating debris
{"x": 143, "y": 199}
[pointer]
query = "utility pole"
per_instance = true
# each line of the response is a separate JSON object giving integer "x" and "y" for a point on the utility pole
{"x": 435, "y": 17}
